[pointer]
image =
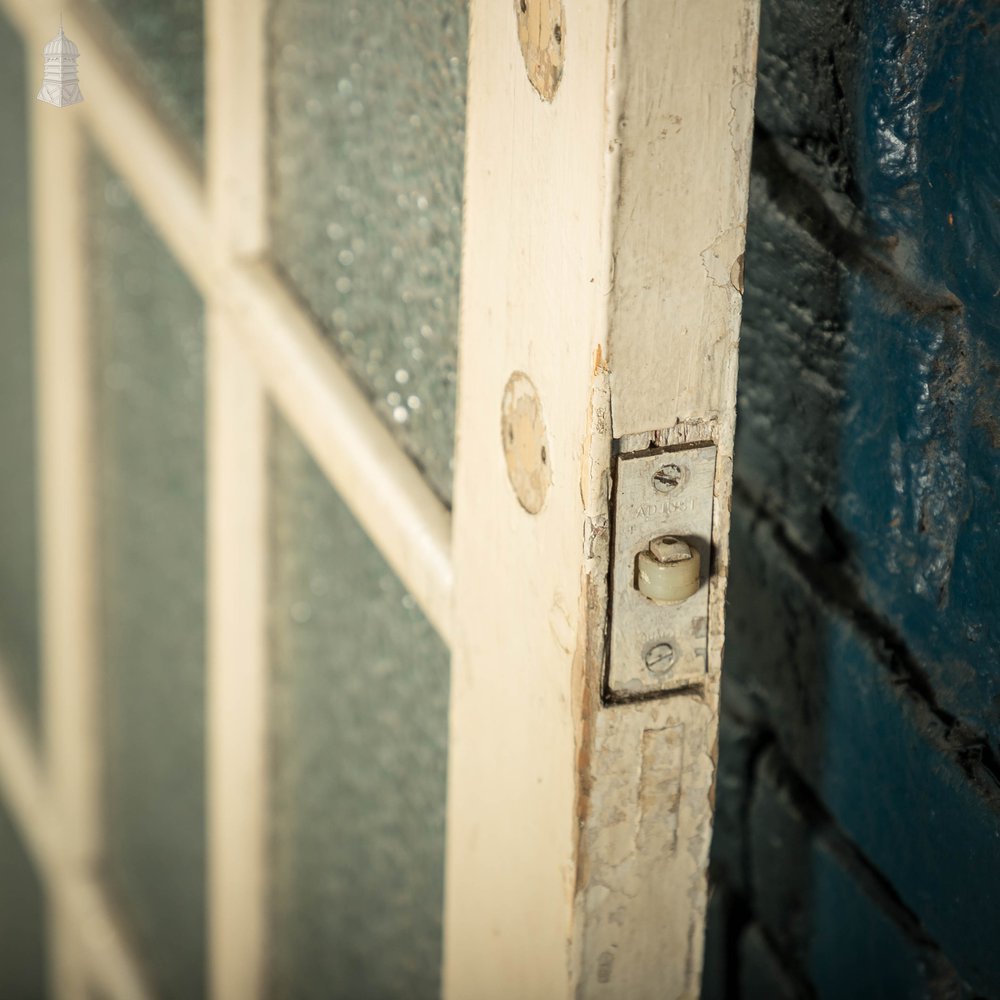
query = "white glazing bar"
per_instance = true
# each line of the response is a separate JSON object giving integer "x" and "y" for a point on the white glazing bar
{"x": 237, "y": 669}
{"x": 237, "y": 531}
{"x": 22, "y": 780}
{"x": 60, "y": 817}
{"x": 66, "y": 523}
{"x": 111, "y": 965}
{"x": 405, "y": 519}
{"x": 382, "y": 487}
{"x": 237, "y": 126}
{"x": 90, "y": 931}
{"x": 155, "y": 166}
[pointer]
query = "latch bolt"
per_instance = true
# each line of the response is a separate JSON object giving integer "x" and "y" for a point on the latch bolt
{"x": 669, "y": 571}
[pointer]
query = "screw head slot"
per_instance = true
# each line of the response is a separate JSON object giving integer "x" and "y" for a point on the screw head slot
{"x": 660, "y": 658}
{"x": 667, "y": 478}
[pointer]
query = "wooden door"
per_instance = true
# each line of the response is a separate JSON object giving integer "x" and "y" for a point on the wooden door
{"x": 600, "y": 206}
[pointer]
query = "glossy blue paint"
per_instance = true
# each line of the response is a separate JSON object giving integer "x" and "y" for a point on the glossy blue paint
{"x": 878, "y": 761}
{"x": 911, "y": 808}
{"x": 864, "y": 617}
{"x": 831, "y": 908}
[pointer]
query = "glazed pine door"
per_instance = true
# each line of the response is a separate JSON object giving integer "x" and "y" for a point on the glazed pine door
{"x": 602, "y": 260}
{"x": 258, "y": 557}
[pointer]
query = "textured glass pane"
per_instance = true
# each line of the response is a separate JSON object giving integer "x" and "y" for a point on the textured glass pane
{"x": 18, "y": 607}
{"x": 367, "y": 152}
{"x": 360, "y": 702}
{"x": 147, "y": 324}
{"x": 22, "y": 919}
{"x": 165, "y": 40}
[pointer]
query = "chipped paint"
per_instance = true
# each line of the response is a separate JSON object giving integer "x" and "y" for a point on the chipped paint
{"x": 541, "y": 32}
{"x": 525, "y": 444}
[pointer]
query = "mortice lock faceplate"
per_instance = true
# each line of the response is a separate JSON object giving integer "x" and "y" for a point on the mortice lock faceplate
{"x": 661, "y": 562}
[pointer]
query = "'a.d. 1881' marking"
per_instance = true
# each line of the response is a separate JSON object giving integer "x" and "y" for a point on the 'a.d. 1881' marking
{"x": 666, "y": 507}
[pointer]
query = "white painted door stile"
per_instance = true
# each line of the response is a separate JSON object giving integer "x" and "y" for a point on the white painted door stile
{"x": 606, "y": 181}
{"x": 606, "y": 198}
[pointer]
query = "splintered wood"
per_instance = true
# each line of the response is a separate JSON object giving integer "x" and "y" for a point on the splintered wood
{"x": 541, "y": 30}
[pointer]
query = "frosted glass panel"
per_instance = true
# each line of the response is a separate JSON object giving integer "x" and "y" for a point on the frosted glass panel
{"x": 165, "y": 40}
{"x": 359, "y": 730}
{"x": 18, "y": 542}
{"x": 367, "y": 152}
{"x": 147, "y": 326}
{"x": 22, "y": 919}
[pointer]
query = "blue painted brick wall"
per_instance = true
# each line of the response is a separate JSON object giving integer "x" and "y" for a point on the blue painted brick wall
{"x": 857, "y": 843}
{"x": 818, "y": 900}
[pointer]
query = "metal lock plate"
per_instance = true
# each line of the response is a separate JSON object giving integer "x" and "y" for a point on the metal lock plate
{"x": 659, "y": 647}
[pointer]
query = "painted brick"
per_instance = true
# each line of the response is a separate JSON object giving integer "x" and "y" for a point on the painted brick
{"x": 871, "y": 750}
{"x": 720, "y": 964}
{"x": 926, "y": 119}
{"x": 792, "y": 365}
{"x": 738, "y": 746}
{"x": 927, "y": 165}
{"x": 806, "y": 81}
{"x": 824, "y": 909}
{"x": 917, "y": 816}
{"x": 870, "y": 360}
{"x": 880, "y": 470}
{"x": 762, "y": 974}
{"x": 918, "y": 500}
{"x": 858, "y": 422}
{"x": 864, "y": 618}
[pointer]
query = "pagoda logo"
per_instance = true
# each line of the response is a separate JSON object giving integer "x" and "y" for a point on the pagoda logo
{"x": 60, "y": 86}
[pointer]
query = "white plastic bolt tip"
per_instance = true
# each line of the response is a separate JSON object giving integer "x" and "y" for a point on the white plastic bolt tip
{"x": 669, "y": 571}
